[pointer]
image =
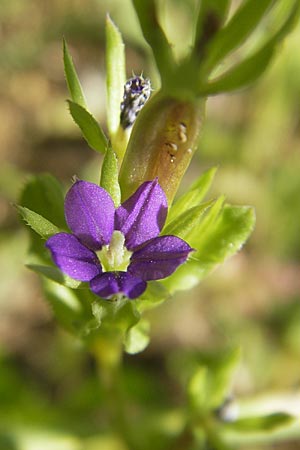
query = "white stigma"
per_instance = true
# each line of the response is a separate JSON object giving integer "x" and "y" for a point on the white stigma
{"x": 115, "y": 256}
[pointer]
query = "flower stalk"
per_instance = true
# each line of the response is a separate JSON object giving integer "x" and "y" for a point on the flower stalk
{"x": 108, "y": 353}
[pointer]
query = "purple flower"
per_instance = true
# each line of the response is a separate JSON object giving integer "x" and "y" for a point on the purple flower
{"x": 116, "y": 250}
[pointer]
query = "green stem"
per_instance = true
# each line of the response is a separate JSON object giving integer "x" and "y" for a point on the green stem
{"x": 108, "y": 355}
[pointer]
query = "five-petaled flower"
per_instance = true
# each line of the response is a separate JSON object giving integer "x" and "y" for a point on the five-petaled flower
{"x": 116, "y": 250}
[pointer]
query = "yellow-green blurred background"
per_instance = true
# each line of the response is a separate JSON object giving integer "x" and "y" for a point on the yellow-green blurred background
{"x": 47, "y": 382}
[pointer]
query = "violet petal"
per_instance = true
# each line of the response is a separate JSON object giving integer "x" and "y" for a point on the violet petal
{"x": 142, "y": 216}
{"x": 72, "y": 257}
{"x": 89, "y": 212}
{"x": 110, "y": 283}
{"x": 159, "y": 257}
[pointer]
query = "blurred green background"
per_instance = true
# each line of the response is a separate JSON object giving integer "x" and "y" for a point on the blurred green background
{"x": 48, "y": 384}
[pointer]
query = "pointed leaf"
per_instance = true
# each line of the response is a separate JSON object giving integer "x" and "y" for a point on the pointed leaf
{"x": 261, "y": 424}
{"x": 186, "y": 222}
{"x": 218, "y": 236}
{"x": 229, "y": 232}
{"x": 193, "y": 196}
{"x": 38, "y": 223}
{"x": 199, "y": 234}
{"x": 90, "y": 128}
{"x": 221, "y": 373}
{"x": 154, "y": 35}
{"x": 115, "y": 75}
{"x": 241, "y": 75}
{"x": 73, "y": 82}
{"x": 197, "y": 389}
{"x": 238, "y": 29}
{"x": 54, "y": 274}
{"x": 43, "y": 194}
{"x": 109, "y": 176}
{"x": 210, "y": 17}
{"x": 253, "y": 66}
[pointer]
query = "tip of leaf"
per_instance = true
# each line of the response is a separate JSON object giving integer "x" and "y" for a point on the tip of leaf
{"x": 65, "y": 46}
{"x": 110, "y": 22}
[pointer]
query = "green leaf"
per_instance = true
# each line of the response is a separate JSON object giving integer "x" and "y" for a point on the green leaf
{"x": 109, "y": 176}
{"x": 241, "y": 75}
{"x": 211, "y": 382}
{"x": 70, "y": 307}
{"x": 229, "y": 232}
{"x": 254, "y": 65}
{"x": 154, "y": 35}
{"x": 205, "y": 226}
{"x": 210, "y": 17}
{"x": 185, "y": 224}
{"x": 197, "y": 389}
{"x": 119, "y": 315}
{"x": 261, "y": 424}
{"x": 38, "y": 223}
{"x": 155, "y": 294}
{"x": 137, "y": 337}
{"x": 193, "y": 196}
{"x": 72, "y": 78}
{"x": 238, "y": 29}
{"x": 43, "y": 194}
{"x": 222, "y": 370}
{"x": 219, "y": 235}
{"x": 54, "y": 274}
{"x": 115, "y": 75}
{"x": 90, "y": 128}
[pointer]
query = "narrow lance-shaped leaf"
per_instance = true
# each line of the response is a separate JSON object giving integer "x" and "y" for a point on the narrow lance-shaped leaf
{"x": 205, "y": 227}
{"x": 252, "y": 67}
{"x": 261, "y": 424}
{"x": 197, "y": 389}
{"x": 221, "y": 373}
{"x": 190, "y": 273}
{"x": 38, "y": 223}
{"x": 193, "y": 196}
{"x": 43, "y": 194}
{"x": 90, "y": 128}
{"x": 155, "y": 36}
{"x": 115, "y": 75}
{"x": 54, "y": 274}
{"x": 235, "y": 32}
{"x": 109, "y": 176}
{"x": 226, "y": 236}
{"x": 72, "y": 79}
{"x": 219, "y": 235}
{"x": 211, "y": 15}
{"x": 241, "y": 75}
{"x": 186, "y": 222}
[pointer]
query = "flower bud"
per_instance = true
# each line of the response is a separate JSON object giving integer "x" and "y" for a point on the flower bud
{"x": 162, "y": 143}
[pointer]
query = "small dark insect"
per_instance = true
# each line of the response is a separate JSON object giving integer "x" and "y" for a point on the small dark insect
{"x": 137, "y": 91}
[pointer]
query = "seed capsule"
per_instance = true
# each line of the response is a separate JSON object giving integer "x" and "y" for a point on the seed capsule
{"x": 162, "y": 143}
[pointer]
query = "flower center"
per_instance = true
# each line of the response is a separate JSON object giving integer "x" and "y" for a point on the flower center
{"x": 115, "y": 256}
